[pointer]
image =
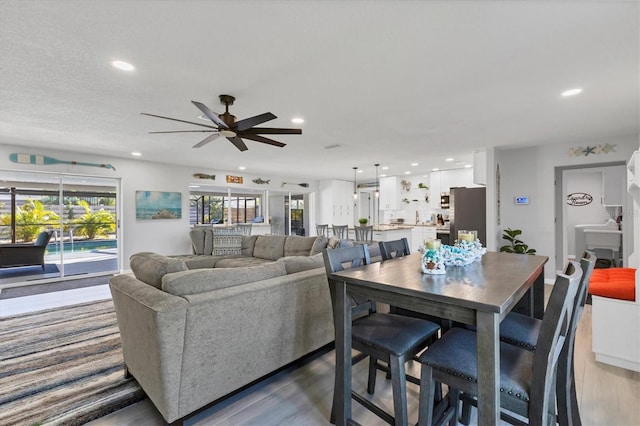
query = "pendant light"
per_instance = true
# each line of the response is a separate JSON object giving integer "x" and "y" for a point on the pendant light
{"x": 377, "y": 183}
{"x": 355, "y": 185}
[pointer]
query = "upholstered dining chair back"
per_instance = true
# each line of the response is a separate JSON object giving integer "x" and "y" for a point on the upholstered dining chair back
{"x": 395, "y": 248}
{"x": 337, "y": 259}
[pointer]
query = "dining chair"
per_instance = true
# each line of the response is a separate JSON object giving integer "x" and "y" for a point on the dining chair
{"x": 322, "y": 230}
{"x": 523, "y": 331}
{"x": 527, "y": 378}
{"x": 393, "y": 339}
{"x": 364, "y": 233}
{"x": 340, "y": 231}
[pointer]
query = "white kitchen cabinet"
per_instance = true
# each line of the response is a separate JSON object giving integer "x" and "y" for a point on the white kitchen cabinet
{"x": 444, "y": 180}
{"x": 389, "y": 193}
{"x": 419, "y": 234}
{"x": 336, "y": 202}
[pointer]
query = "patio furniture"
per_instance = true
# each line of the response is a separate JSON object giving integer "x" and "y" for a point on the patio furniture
{"x": 25, "y": 254}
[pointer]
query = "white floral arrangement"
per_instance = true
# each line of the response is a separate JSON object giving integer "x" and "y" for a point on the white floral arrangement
{"x": 432, "y": 261}
{"x": 457, "y": 256}
{"x": 473, "y": 247}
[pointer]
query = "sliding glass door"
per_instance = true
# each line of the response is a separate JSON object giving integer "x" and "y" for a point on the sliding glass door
{"x": 80, "y": 212}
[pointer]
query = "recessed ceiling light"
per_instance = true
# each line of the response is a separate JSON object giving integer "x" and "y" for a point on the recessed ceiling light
{"x": 136, "y": 154}
{"x": 448, "y": 159}
{"x": 194, "y": 186}
{"x": 467, "y": 166}
{"x": 572, "y": 92}
{"x": 124, "y": 66}
{"x": 385, "y": 167}
{"x": 435, "y": 170}
{"x": 242, "y": 168}
{"x": 407, "y": 173}
{"x": 414, "y": 164}
{"x": 297, "y": 120}
{"x": 360, "y": 171}
{"x": 383, "y": 175}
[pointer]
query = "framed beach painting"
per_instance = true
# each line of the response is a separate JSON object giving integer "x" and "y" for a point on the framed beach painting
{"x": 158, "y": 205}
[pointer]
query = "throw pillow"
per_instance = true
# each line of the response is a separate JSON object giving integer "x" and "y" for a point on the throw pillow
{"x": 226, "y": 242}
{"x": 203, "y": 280}
{"x": 270, "y": 247}
{"x": 333, "y": 242}
{"x": 248, "y": 243}
{"x": 197, "y": 240}
{"x": 151, "y": 267}
{"x": 295, "y": 264}
{"x": 319, "y": 244}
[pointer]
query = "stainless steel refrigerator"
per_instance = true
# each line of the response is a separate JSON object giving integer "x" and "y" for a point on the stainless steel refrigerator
{"x": 468, "y": 211}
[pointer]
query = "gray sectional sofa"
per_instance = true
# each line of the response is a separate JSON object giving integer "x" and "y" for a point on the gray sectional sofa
{"x": 195, "y": 328}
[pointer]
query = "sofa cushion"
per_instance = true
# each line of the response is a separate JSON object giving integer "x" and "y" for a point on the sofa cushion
{"x": 226, "y": 243}
{"x": 203, "y": 280}
{"x": 270, "y": 247}
{"x": 151, "y": 267}
{"x": 298, "y": 246}
{"x": 240, "y": 261}
{"x": 319, "y": 244}
{"x": 295, "y": 264}
{"x": 248, "y": 243}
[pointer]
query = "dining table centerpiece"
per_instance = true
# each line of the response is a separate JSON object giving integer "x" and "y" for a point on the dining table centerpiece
{"x": 432, "y": 260}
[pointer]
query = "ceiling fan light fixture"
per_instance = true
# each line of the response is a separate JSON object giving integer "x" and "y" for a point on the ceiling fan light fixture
{"x": 297, "y": 120}
{"x": 122, "y": 65}
{"x": 228, "y": 133}
{"x": 572, "y": 92}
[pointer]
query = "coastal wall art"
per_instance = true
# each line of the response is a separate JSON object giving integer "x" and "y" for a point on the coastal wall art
{"x": 158, "y": 205}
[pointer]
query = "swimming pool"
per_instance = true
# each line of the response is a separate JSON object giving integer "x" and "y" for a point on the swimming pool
{"x": 81, "y": 246}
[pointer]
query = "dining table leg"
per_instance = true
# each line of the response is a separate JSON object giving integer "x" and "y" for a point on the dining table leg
{"x": 488, "y": 352}
{"x": 342, "y": 385}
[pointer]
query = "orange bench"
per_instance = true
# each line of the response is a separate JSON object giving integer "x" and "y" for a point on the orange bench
{"x": 614, "y": 283}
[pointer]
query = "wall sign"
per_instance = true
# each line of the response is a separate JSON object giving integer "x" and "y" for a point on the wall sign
{"x": 234, "y": 179}
{"x": 579, "y": 199}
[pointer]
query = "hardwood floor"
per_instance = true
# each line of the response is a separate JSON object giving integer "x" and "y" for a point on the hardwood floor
{"x": 607, "y": 395}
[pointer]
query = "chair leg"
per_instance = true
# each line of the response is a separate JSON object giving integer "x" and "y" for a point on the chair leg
{"x": 399, "y": 385}
{"x": 426, "y": 400}
{"x": 371, "y": 384}
{"x": 454, "y": 399}
{"x": 465, "y": 417}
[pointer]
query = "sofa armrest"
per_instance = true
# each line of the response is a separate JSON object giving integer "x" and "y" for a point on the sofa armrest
{"x": 152, "y": 329}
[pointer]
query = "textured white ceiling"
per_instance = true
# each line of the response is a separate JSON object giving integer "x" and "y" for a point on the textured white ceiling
{"x": 393, "y": 82}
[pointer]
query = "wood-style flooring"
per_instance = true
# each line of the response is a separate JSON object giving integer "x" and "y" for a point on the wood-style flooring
{"x": 607, "y": 395}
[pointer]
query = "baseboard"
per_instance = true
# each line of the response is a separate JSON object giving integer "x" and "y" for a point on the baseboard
{"x": 618, "y": 362}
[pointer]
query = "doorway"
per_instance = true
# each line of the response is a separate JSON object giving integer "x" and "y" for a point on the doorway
{"x": 588, "y": 195}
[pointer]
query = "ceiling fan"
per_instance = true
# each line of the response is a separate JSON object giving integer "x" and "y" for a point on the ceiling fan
{"x": 227, "y": 126}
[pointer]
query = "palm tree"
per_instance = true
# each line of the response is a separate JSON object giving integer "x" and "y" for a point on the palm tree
{"x": 93, "y": 224}
{"x": 31, "y": 218}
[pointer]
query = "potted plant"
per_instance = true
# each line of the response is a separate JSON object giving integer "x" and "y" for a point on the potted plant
{"x": 515, "y": 245}
{"x": 363, "y": 221}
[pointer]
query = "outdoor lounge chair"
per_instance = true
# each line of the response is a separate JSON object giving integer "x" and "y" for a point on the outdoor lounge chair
{"x": 25, "y": 254}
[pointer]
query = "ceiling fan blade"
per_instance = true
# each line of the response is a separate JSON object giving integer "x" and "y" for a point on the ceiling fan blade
{"x": 181, "y": 121}
{"x": 187, "y": 131}
{"x": 206, "y": 140}
{"x": 262, "y": 139}
{"x": 252, "y": 121}
{"x": 212, "y": 115}
{"x": 238, "y": 143}
{"x": 271, "y": 131}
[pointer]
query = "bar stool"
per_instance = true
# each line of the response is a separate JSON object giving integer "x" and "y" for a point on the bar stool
{"x": 322, "y": 230}
{"x": 340, "y": 231}
{"x": 364, "y": 233}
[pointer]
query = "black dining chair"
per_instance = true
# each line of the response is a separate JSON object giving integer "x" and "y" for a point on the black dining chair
{"x": 523, "y": 331}
{"x": 400, "y": 248}
{"x": 526, "y": 378}
{"x": 393, "y": 339}
{"x": 340, "y": 231}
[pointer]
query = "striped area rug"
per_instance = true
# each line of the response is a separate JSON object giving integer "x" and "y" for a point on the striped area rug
{"x": 62, "y": 366}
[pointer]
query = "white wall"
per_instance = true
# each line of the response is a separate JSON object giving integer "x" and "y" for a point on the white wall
{"x": 162, "y": 236}
{"x": 530, "y": 171}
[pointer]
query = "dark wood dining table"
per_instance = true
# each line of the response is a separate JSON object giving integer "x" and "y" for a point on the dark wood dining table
{"x": 479, "y": 294}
